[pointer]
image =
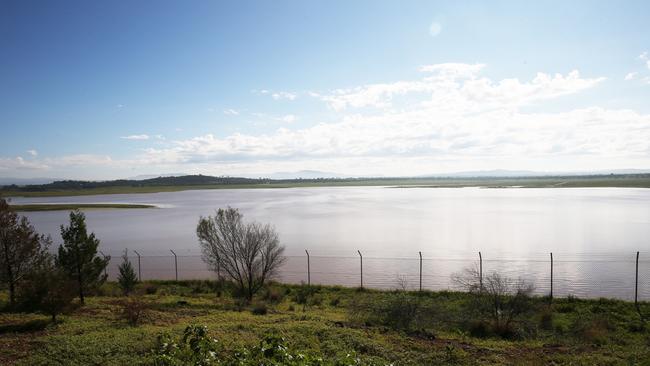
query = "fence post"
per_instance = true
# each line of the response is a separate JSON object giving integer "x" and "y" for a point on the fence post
{"x": 420, "y": 271}
{"x": 175, "y": 263}
{"x": 139, "y": 270}
{"x": 636, "y": 283}
{"x": 104, "y": 255}
{"x": 308, "y": 270}
{"x": 551, "y": 276}
{"x": 480, "y": 270}
{"x": 361, "y": 262}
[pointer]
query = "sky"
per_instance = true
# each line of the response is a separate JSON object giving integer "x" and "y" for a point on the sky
{"x": 117, "y": 89}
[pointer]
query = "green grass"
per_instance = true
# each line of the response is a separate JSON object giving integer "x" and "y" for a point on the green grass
{"x": 582, "y": 332}
{"x": 629, "y": 181}
{"x": 75, "y": 206}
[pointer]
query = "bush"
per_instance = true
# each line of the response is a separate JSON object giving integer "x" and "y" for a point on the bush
{"x": 133, "y": 310}
{"x": 195, "y": 347}
{"x": 273, "y": 295}
{"x": 546, "y": 318}
{"x": 259, "y": 308}
{"x": 399, "y": 310}
{"x": 504, "y": 302}
{"x": 48, "y": 290}
{"x": 302, "y": 294}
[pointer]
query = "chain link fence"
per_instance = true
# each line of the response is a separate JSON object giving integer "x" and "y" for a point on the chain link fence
{"x": 586, "y": 275}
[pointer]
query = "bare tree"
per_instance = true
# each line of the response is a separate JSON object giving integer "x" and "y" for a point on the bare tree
{"x": 502, "y": 299}
{"x": 21, "y": 248}
{"x": 249, "y": 254}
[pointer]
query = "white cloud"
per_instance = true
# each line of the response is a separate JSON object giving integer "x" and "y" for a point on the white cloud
{"x": 18, "y": 163}
{"x": 289, "y": 118}
{"x": 631, "y": 75}
{"x": 136, "y": 137}
{"x": 32, "y": 152}
{"x": 284, "y": 95}
{"x": 231, "y": 112}
{"x": 467, "y": 87}
{"x": 450, "y": 119}
{"x": 434, "y": 29}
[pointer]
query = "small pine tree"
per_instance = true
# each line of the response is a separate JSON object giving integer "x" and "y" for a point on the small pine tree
{"x": 127, "y": 278}
{"x": 47, "y": 289}
{"x": 78, "y": 255}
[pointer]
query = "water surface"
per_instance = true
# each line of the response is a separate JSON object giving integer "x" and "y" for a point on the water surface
{"x": 594, "y": 233}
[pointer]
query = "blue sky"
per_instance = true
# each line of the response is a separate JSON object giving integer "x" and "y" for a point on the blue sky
{"x": 101, "y": 90}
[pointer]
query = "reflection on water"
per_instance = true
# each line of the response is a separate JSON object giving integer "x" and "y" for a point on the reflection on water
{"x": 593, "y": 232}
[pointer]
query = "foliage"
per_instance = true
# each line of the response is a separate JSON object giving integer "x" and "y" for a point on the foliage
{"x": 398, "y": 310}
{"x": 195, "y": 347}
{"x": 78, "y": 255}
{"x": 501, "y": 300}
{"x": 22, "y": 249}
{"x": 47, "y": 289}
{"x": 127, "y": 279}
{"x": 248, "y": 254}
{"x": 133, "y": 309}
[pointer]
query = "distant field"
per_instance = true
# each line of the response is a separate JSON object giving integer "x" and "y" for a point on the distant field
{"x": 630, "y": 181}
{"x": 81, "y": 206}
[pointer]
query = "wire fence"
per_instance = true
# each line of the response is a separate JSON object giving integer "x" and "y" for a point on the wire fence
{"x": 588, "y": 275}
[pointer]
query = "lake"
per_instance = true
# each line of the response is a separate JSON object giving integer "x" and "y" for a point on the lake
{"x": 594, "y": 233}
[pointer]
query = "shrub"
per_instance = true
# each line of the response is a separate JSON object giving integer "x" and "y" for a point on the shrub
{"x": 335, "y": 301}
{"x": 133, "y": 310}
{"x": 302, "y": 294}
{"x": 399, "y": 310}
{"x": 196, "y": 348}
{"x": 259, "y": 308}
{"x": 273, "y": 295}
{"x": 127, "y": 279}
{"x": 546, "y": 318}
{"x": 503, "y": 301}
{"x": 47, "y": 289}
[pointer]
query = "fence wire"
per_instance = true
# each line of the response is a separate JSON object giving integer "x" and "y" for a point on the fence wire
{"x": 578, "y": 274}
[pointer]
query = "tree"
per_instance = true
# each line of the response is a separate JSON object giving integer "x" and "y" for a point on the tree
{"x": 127, "y": 278}
{"x": 78, "y": 255}
{"x": 248, "y": 253}
{"x": 21, "y": 248}
{"x": 47, "y": 289}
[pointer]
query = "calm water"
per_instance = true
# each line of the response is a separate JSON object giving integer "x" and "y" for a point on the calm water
{"x": 594, "y": 233}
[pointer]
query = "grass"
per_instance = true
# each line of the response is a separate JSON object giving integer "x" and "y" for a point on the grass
{"x": 629, "y": 181}
{"x": 579, "y": 332}
{"x": 74, "y": 206}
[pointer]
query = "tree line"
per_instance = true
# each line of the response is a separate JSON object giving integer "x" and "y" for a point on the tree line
{"x": 247, "y": 254}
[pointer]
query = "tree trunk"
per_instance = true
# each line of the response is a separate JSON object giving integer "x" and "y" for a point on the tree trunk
{"x": 12, "y": 293}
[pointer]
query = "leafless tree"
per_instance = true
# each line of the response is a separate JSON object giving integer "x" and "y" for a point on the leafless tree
{"x": 501, "y": 298}
{"x": 249, "y": 254}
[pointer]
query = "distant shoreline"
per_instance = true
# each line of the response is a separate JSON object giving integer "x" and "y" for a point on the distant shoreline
{"x": 75, "y": 206}
{"x": 175, "y": 184}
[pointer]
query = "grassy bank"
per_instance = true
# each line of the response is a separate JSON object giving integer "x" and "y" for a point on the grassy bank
{"x": 75, "y": 206}
{"x": 330, "y": 322}
{"x": 627, "y": 181}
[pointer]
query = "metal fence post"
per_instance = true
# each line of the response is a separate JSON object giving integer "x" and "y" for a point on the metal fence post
{"x": 361, "y": 262}
{"x": 139, "y": 267}
{"x": 480, "y": 270}
{"x": 420, "y": 270}
{"x": 636, "y": 283}
{"x": 308, "y": 270}
{"x": 175, "y": 263}
{"x": 551, "y": 276}
{"x": 104, "y": 255}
